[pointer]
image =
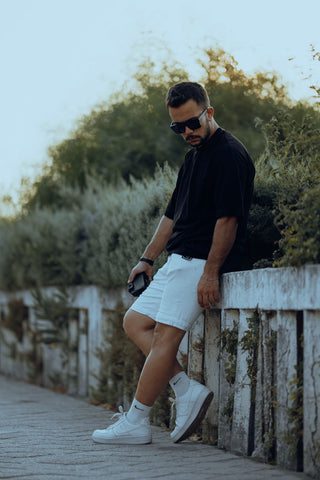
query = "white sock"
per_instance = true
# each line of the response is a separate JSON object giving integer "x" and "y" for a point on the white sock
{"x": 180, "y": 383}
{"x": 137, "y": 412}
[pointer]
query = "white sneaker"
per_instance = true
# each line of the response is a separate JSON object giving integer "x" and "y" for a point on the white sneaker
{"x": 123, "y": 432}
{"x": 190, "y": 410}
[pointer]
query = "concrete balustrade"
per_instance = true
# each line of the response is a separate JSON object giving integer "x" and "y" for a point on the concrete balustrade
{"x": 258, "y": 350}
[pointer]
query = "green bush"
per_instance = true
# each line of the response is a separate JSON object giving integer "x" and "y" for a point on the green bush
{"x": 124, "y": 224}
{"x": 289, "y": 173}
{"x": 40, "y": 249}
{"x": 95, "y": 241}
{"x": 96, "y": 235}
{"x": 129, "y": 134}
{"x": 263, "y": 235}
{"x": 301, "y": 230}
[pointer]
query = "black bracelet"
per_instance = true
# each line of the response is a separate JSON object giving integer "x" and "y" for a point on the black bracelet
{"x": 150, "y": 262}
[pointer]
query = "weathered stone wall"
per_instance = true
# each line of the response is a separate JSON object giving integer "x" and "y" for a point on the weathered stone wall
{"x": 269, "y": 385}
{"x": 76, "y": 363}
{"x": 259, "y": 351}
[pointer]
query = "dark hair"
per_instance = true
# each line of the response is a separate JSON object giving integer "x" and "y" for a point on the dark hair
{"x": 184, "y": 91}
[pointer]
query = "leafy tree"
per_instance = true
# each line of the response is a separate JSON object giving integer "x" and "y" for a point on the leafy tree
{"x": 283, "y": 223}
{"x": 299, "y": 205}
{"x": 98, "y": 199}
{"x": 130, "y": 135}
{"x": 95, "y": 240}
{"x": 244, "y": 103}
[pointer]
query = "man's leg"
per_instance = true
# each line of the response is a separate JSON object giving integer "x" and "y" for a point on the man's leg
{"x": 191, "y": 403}
{"x": 141, "y": 329}
{"x": 162, "y": 342}
{"x": 161, "y": 363}
{"x": 162, "y": 296}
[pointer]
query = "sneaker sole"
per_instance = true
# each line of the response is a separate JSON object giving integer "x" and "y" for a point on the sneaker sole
{"x": 123, "y": 441}
{"x": 198, "y": 419}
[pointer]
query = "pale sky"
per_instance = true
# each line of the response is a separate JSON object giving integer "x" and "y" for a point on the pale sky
{"x": 60, "y": 58}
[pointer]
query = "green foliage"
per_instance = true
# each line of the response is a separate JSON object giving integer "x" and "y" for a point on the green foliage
{"x": 122, "y": 224}
{"x": 300, "y": 225}
{"x": 89, "y": 216}
{"x": 43, "y": 248}
{"x": 228, "y": 341}
{"x": 249, "y": 343}
{"x": 284, "y": 218}
{"x": 54, "y": 311}
{"x": 289, "y": 171}
{"x": 130, "y": 134}
{"x": 270, "y": 445}
{"x": 227, "y": 410}
{"x": 96, "y": 241}
{"x": 121, "y": 362}
{"x": 295, "y": 434}
{"x": 242, "y": 102}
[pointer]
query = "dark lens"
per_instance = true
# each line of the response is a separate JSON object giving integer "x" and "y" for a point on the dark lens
{"x": 178, "y": 127}
{"x": 193, "y": 123}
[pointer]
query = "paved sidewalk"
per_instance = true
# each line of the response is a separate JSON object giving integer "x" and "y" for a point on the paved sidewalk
{"x": 45, "y": 435}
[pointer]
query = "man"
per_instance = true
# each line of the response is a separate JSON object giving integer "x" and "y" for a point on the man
{"x": 203, "y": 230}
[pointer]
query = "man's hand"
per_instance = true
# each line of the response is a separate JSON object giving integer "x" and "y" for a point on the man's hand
{"x": 140, "y": 267}
{"x": 208, "y": 292}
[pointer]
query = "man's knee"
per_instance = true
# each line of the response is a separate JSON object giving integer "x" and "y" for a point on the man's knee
{"x": 128, "y": 322}
{"x": 167, "y": 336}
{"x": 134, "y": 322}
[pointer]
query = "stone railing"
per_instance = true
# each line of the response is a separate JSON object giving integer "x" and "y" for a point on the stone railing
{"x": 259, "y": 351}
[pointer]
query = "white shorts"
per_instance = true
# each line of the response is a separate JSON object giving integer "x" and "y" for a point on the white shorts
{"x": 171, "y": 298}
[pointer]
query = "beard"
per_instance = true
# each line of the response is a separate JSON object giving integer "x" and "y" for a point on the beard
{"x": 198, "y": 140}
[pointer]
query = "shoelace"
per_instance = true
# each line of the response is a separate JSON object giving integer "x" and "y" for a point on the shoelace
{"x": 119, "y": 414}
{"x": 173, "y": 409}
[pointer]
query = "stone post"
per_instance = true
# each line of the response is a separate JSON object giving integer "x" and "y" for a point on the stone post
{"x": 229, "y": 321}
{"x": 196, "y": 350}
{"x": 211, "y": 373}
{"x": 264, "y": 431}
{"x": 83, "y": 353}
{"x": 73, "y": 356}
{"x": 311, "y": 397}
{"x": 287, "y": 360}
{"x": 242, "y": 393}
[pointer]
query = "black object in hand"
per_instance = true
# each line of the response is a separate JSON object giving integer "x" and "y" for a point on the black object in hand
{"x": 139, "y": 284}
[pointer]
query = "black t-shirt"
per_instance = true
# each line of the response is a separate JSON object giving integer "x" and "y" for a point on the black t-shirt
{"x": 215, "y": 180}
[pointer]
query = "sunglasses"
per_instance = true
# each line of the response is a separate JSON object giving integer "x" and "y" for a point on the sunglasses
{"x": 193, "y": 123}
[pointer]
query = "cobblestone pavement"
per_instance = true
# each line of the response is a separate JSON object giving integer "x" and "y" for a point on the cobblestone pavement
{"x": 46, "y": 435}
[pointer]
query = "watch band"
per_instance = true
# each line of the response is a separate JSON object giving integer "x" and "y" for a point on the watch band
{"x": 147, "y": 260}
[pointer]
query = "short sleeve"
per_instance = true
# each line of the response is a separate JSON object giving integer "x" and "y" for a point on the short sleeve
{"x": 230, "y": 181}
{"x": 171, "y": 205}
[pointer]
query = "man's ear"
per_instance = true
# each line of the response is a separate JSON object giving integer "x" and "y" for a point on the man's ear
{"x": 210, "y": 113}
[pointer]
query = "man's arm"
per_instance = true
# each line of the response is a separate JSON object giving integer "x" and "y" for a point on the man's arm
{"x": 154, "y": 248}
{"x": 224, "y": 236}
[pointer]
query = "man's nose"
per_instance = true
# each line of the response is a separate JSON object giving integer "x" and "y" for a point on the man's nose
{"x": 187, "y": 130}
